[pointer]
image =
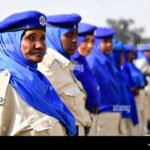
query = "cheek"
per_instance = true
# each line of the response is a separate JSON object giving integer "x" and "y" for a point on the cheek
{"x": 65, "y": 43}
{"x": 26, "y": 48}
{"x": 23, "y": 47}
{"x": 91, "y": 46}
{"x": 68, "y": 44}
{"x": 83, "y": 46}
{"x": 45, "y": 46}
{"x": 110, "y": 46}
{"x": 102, "y": 46}
{"x": 84, "y": 50}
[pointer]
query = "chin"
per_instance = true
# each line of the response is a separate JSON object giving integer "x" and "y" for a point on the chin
{"x": 85, "y": 54}
{"x": 71, "y": 53}
{"x": 88, "y": 53}
{"x": 37, "y": 60}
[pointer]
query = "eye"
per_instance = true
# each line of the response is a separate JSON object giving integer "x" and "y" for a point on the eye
{"x": 85, "y": 40}
{"x": 43, "y": 38}
{"x": 69, "y": 35}
{"x": 31, "y": 37}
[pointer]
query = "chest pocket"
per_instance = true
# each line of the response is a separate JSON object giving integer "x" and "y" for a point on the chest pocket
{"x": 70, "y": 95}
{"x": 43, "y": 126}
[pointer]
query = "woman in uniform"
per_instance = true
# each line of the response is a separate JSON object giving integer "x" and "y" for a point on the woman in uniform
{"x": 29, "y": 105}
{"x": 85, "y": 75}
{"x": 61, "y": 41}
{"x": 101, "y": 64}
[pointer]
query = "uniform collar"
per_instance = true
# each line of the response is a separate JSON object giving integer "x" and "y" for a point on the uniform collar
{"x": 64, "y": 62}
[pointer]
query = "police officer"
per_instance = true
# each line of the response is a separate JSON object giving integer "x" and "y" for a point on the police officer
{"x": 85, "y": 76}
{"x": 62, "y": 42}
{"x": 101, "y": 64}
{"x": 29, "y": 104}
{"x": 143, "y": 63}
{"x": 139, "y": 82}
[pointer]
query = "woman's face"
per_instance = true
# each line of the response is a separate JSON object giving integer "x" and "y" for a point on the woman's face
{"x": 106, "y": 45}
{"x": 69, "y": 42}
{"x": 86, "y": 46}
{"x": 33, "y": 45}
{"x": 131, "y": 56}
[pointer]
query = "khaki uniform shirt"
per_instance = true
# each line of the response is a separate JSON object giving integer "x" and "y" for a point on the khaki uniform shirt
{"x": 17, "y": 118}
{"x": 59, "y": 72}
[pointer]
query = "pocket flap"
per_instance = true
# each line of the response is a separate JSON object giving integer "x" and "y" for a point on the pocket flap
{"x": 44, "y": 123}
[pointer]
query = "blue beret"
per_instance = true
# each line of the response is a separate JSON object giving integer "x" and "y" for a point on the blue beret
{"x": 23, "y": 20}
{"x": 64, "y": 20}
{"x": 104, "y": 33}
{"x": 130, "y": 47}
{"x": 86, "y": 29}
{"x": 118, "y": 45}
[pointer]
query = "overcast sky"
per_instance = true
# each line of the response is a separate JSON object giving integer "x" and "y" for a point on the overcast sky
{"x": 92, "y": 11}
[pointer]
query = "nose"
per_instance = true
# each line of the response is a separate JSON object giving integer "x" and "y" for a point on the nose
{"x": 74, "y": 40}
{"x": 110, "y": 45}
{"x": 39, "y": 44}
{"x": 89, "y": 45}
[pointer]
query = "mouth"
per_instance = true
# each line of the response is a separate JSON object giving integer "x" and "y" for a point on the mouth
{"x": 38, "y": 54}
{"x": 109, "y": 50}
{"x": 88, "y": 51}
{"x": 73, "y": 48}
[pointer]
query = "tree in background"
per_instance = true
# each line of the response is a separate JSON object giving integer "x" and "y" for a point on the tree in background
{"x": 125, "y": 34}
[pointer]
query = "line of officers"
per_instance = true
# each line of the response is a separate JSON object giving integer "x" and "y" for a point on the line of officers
{"x": 102, "y": 84}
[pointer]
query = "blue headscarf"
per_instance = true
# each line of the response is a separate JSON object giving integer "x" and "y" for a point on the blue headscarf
{"x": 130, "y": 84}
{"x": 134, "y": 79}
{"x": 53, "y": 39}
{"x": 58, "y": 25}
{"x": 130, "y": 48}
{"x": 86, "y": 77}
{"x": 85, "y": 29}
{"x": 32, "y": 86}
{"x": 138, "y": 77}
{"x": 127, "y": 95}
{"x": 103, "y": 68}
{"x": 118, "y": 47}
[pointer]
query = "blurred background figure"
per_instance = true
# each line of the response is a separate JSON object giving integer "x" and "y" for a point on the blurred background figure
{"x": 143, "y": 63}
{"x": 85, "y": 76}
{"x": 102, "y": 66}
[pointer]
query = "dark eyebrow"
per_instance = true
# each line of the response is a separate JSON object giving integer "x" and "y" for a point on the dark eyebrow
{"x": 27, "y": 34}
{"x": 33, "y": 33}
